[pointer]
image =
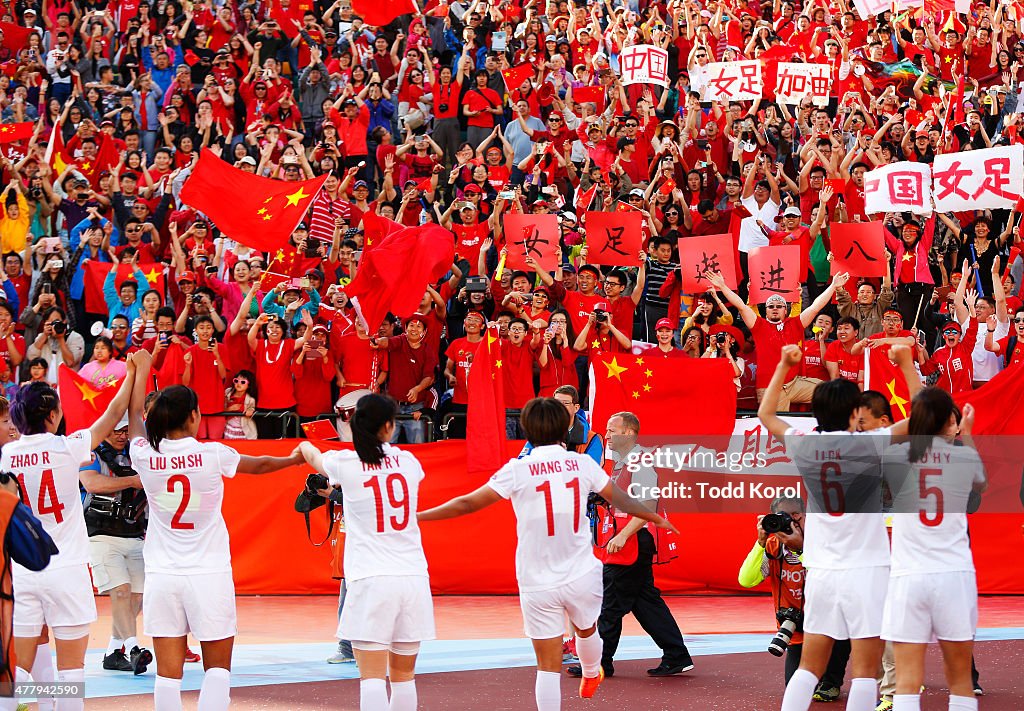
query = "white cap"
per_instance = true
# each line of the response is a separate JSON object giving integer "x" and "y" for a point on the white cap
{"x": 122, "y": 423}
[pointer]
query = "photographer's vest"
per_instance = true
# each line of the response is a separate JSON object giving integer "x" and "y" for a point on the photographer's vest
{"x": 122, "y": 514}
{"x": 8, "y": 662}
{"x": 786, "y": 580}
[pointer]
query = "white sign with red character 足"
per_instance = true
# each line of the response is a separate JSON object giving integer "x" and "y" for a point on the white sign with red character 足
{"x": 733, "y": 81}
{"x": 988, "y": 179}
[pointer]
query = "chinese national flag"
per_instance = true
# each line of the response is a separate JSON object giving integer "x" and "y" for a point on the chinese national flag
{"x": 515, "y": 76}
{"x": 536, "y": 235}
{"x": 56, "y": 156}
{"x": 96, "y": 274}
{"x": 10, "y": 132}
{"x": 589, "y": 95}
{"x": 376, "y": 228}
{"x": 774, "y": 270}
{"x": 15, "y": 36}
{"x": 258, "y": 212}
{"x": 81, "y": 401}
{"x": 394, "y": 275}
{"x": 320, "y": 429}
{"x": 584, "y": 198}
{"x": 657, "y": 390}
{"x": 614, "y": 240}
{"x": 884, "y": 376}
{"x": 700, "y": 254}
{"x": 485, "y": 419}
{"x": 859, "y": 248}
{"x": 382, "y": 12}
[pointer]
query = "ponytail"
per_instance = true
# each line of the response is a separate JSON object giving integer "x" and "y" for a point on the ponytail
{"x": 169, "y": 412}
{"x": 373, "y": 412}
{"x": 930, "y": 412}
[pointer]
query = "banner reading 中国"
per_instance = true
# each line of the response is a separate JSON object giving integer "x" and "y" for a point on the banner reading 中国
{"x": 644, "y": 64}
{"x": 899, "y": 187}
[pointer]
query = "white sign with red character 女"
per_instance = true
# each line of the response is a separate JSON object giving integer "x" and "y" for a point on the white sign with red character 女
{"x": 733, "y": 81}
{"x": 989, "y": 179}
{"x": 644, "y": 64}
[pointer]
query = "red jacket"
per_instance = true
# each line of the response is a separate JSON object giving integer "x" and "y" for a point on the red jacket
{"x": 955, "y": 364}
{"x": 352, "y": 132}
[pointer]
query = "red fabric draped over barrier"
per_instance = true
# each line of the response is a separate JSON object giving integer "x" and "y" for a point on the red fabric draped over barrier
{"x": 475, "y": 555}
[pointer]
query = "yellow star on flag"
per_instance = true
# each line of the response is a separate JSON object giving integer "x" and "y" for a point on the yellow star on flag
{"x": 58, "y": 163}
{"x": 280, "y": 255}
{"x": 639, "y": 361}
{"x": 262, "y": 211}
{"x": 293, "y": 199}
{"x": 497, "y": 364}
{"x": 614, "y": 369}
{"x": 268, "y": 200}
{"x": 5, "y": 129}
{"x": 648, "y": 373}
{"x": 85, "y": 166}
{"x": 636, "y": 395}
{"x": 647, "y": 388}
{"x": 151, "y": 277}
{"x": 267, "y": 217}
{"x": 89, "y": 393}
{"x": 895, "y": 399}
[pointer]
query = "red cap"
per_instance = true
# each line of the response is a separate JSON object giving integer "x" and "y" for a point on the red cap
{"x": 951, "y": 326}
{"x": 187, "y": 276}
{"x": 472, "y": 188}
{"x": 417, "y": 317}
{"x": 664, "y": 323}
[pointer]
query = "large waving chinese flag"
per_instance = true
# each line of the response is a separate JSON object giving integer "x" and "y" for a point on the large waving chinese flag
{"x": 394, "y": 275}
{"x": 485, "y": 419}
{"x": 82, "y": 401}
{"x": 96, "y": 274}
{"x": 258, "y": 212}
{"x": 884, "y": 376}
{"x": 15, "y": 36}
{"x": 381, "y": 12}
{"x": 10, "y": 132}
{"x": 658, "y": 390}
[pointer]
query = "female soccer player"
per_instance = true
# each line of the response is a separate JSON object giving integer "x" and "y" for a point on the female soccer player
{"x": 933, "y": 592}
{"x": 47, "y": 465}
{"x": 556, "y": 568}
{"x": 188, "y": 561}
{"x": 388, "y": 609}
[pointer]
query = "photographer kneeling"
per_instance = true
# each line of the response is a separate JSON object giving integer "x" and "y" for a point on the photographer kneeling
{"x": 776, "y": 557}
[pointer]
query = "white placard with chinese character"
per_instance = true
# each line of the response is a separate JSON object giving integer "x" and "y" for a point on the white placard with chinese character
{"x": 733, "y": 81}
{"x": 795, "y": 81}
{"x": 870, "y": 8}
{"x": 644, "y": 64}
{"x": 992, "y": 178}
{"x": 899, "y": 187}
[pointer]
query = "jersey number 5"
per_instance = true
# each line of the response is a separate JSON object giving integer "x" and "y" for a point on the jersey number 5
{"x": 925, "y": 492}
{"x": 545, "y": 489}
{"x": 398, "y": 498}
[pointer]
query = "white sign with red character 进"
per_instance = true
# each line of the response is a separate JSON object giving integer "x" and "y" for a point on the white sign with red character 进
{"x": 795, "y": 81}
{"x": 644, "y": 64}
{"x": 733, "y": 81}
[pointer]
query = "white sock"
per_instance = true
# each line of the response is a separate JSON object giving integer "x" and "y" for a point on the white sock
{"x": 403, "y": 696}
{"x": 373, "y": 695}
{"x": 113, "y": 645}
{"x": 130, "y": 644}
{"x": 963, "y": 703}
{"x": 589, "y": 650}
{"x": 71, "y": 676}
{"x": 167, "y": 694}
{"x": 863, "y": 695}
{"x": 799, "y": 691}
{"x": 215, "y": 693}
{"x": 906, "y": 702}
{"x": 42, "y": 668}
{"x": 548, "y": 689}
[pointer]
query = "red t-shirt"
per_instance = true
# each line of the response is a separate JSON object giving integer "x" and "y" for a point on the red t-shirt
{"x": 357, "y": 360}
{"x": 481, "y": 100}
{"x": 813, "y": 361}
{"x": 1018, "y": 351}
{"x": 467, "y": 243}
{"x": 850, "y": 366}
{"x": 580, "y": 307}
{"x": 461, "y": 352}
{"x": 517, "y": 365}
{"x": 206, "y": 381}
{"x": 313, "y": 385}
{"x": 770, "y": 338}
{"x": 169, "y": 364}
{"x": 560, "y": 370}
{"x": 236, "y": 348}
{"x": 408, "y": 367}
{"x": 273, "y": 374}
{"x": 9, "y": 373}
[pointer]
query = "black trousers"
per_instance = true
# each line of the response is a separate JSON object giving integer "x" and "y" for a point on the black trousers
{"x": 835, "y": 672}
{"x": 630, "y": 589}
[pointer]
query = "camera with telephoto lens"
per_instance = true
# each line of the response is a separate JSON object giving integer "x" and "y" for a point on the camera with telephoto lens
{"x": 776, "y": 522}
{"x": 790, "y": 621}
{"x": 59, "y": 327}
{"x": 720, "y": 338}
{"x": 316, "y": 482}
{"x": 600, "y": 315}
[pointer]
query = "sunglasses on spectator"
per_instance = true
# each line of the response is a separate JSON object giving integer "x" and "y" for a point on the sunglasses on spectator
{"x": 672, "y": 214}
{"x": 119, "y": 328}
{"x": 700, "y": 56}
{"x": 554, "y": 119}
{"x": 632, "y": 125}
{"x": 240, "y": 381}
{"x": 1019, "y": 319}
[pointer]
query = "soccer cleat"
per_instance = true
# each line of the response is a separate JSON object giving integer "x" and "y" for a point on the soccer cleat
{"x": 191, "y": 657}
{"x": 826, "y": 693}
{"x": 589, "y": 684}
{"x": 884, "y": 705}
{"x": 141, "y": 658}
{"x": 117, "y": 661}
{"x": 576, "y": 670}
{"x": 340, "y": 657}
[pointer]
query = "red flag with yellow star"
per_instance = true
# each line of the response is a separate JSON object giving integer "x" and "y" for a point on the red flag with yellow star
{"x": 485, "y": 420}
{"x": 96, "y": 272}
{"x": 258, "y": 212}
{"x": 83, "y": 403}
{"x": 10, "y": 132}
{"x": 884, "y": 376}
{"x": 690, "y": 397}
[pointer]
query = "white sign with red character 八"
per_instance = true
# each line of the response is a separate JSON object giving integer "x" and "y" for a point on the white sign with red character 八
{"x": 899, "y": 187}
{"x": 988, "y": 179}
{"x": 733, "y": 81}
{"x": 644, "y": 64}
{"x": 795, "y": 81}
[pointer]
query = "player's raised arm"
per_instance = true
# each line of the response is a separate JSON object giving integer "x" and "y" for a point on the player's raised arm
{"x": 768, "y": 410}
{"x": 623, "y": 502}
{"x": 137, "y": 403}
{"x": 462, "y": 505}
{"x": 266, "y": 465}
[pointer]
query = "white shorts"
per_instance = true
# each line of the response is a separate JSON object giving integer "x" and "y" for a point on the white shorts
{"x": 544, "y": 611}
{"x": 927, "y": 606}
{"x": 388, "y": 608}
{"x": 203, "y": 604}
{"x": 116, "y": 561}
{"x": 60, "y": 597}
{"x": 845, "y": 604}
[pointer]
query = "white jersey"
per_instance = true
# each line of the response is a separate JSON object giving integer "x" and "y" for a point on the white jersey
{"x": 185, "y": 488}
{"x": 549, "y": 488}
{"x": 47, "y": 466}
{"x": 929, "y": 523}
{"x": 382, "y": 535}
{"x": 844, "y": 526}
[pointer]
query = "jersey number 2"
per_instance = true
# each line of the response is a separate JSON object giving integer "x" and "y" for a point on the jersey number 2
{"x": 398, "y": 498}
{"x": 186, "y": 494}
{"x": 545, "y": 489}
{"x": 48, "y": 502}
